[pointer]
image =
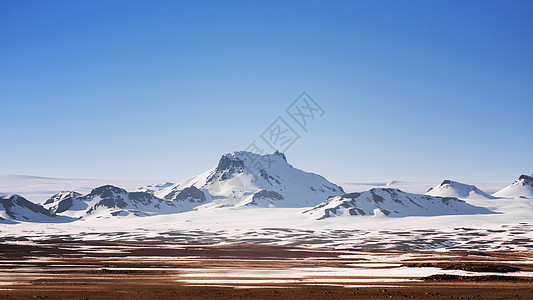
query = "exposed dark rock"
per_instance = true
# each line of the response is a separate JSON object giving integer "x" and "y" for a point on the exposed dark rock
{"x": 10, "y": 202}
{"x": 281, "y": 155}
{"x": 268, "y": 194}
{"x": 193, "y": 194}
{"x": 528, "y": 180}
{"x": 267, "y": 177}
{"x": 105, "y": 191}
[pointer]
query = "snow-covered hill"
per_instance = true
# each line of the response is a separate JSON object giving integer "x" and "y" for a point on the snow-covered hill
{"x": 391, "y": 202}
{"x": 64, "y": 201}
{"x": 521, "y": 188}
{"x": 108, "y": 201}
{"x": 248, "y": 179}
{"x": 449, "y": 188}
{"x": 17, "y": 208}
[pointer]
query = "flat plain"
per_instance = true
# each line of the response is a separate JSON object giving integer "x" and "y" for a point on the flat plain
{"x": 62, "y": 269}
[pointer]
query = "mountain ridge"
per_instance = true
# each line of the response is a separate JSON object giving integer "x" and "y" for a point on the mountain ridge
{"x": 449, "y": 188}
{"x": 391, "y": 202}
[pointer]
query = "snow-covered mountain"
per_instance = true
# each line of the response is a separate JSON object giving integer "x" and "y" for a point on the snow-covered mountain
{"x": 248, "y": 179}
{"x": 391, "y": 202}
{"x": 108, "y": 201}
{"x": 17, "y": 208}
{"x": 521, "y": 188}
{"x": 239, "y": 179}
{"x": 64, "y": 201}
{"x": 449, "y": 188}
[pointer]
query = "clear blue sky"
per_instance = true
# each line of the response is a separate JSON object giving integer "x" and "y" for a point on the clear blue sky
{"x": 412, "y": 90}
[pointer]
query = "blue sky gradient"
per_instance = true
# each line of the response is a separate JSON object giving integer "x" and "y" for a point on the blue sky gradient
{"x": 412, "y": 90}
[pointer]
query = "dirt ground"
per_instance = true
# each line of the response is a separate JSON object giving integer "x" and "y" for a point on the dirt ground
{"x": 134, "y": 291}
{"x": 140, "y": 270}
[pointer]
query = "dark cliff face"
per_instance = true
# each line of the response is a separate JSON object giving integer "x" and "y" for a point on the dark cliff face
{"x": 280, "y": 155}
{"x": 62, "y": 202}
{"x": 527, "y": 180}
{"x": 112, "y": 197}
{"x": 192, "y": 194}
{"x": 268, "y": 194}
{"x": 143, "y": 198}
{"x": 64, "y": 205}
{"x": 228, "y": 165}
{"x": 109, "y": 203}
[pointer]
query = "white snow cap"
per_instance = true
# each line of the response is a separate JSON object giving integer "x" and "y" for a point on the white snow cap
{"x": 521, "y": 188}
{"x": 449, "y": 188}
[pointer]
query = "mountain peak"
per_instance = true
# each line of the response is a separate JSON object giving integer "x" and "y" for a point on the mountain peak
{"x": 447, "y": 182}
{"x": 250, "y": 157}
{"x": 230, "y": 162}
{"x": 280, "y": 154}
{"x": 520, "y": 188}
{"x": 246, "y": 178}
{"x": 526, "y": 179}
{"x": 450, "y": 188}
{"x": 61, "y": 196}
{"x": 61, "y": 201}
{"x": 238, "y": 162}
{"x": 106, "y": 191}
{"x": 15, "y": 207}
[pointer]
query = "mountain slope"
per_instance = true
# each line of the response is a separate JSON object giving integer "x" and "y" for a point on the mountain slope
{"x": 391, "y": 202}
{"x": 456, "y": 189}
{"x": 248, "y": 179}
{"x": 521, "y": 188}
{"x": 64, "y": 201}
{"x": 17, "y": 208}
